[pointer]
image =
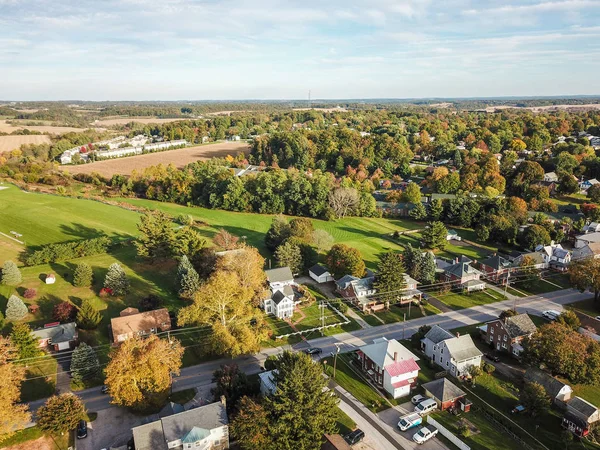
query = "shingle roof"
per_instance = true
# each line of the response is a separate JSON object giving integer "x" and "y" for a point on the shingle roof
{"x": 278, "y": 297}
{"x": 462, "y": 348}
{"x": 140, "y": 322}
{"x": 550, "y": 384}
{"x": 461, "y": 269}
{"x": 381, "y": 352}
{"x": 519, "y": 325}
{"x": 443, "y": 390}
{"x": 343, "y": 282}
{"x": 60, "y": 333}
{"x": 206, "y": 417}
{"x": 279, "y": 275}
{"x": 583, "y": 407}
{"x": 318, "y": 270}
{"x": 149, "y": 436}
{"x": 437, "y": 334}
{"x": 496, "y": 262}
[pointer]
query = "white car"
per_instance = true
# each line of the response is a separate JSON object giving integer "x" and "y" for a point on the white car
{"x": 418, "y": 399}
{"x": 551, "y": 314}
{"x": 424, "y": 434}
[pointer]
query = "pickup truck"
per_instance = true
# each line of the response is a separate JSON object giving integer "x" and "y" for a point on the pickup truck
{"x": 424, "y": 434}
{"x": 409, "y": 421}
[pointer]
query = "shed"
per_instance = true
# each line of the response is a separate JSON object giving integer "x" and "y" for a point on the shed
{"x": 50, "y": 278}
{"x": 556, "y": 389}
{"x": 446, "y": 394}
{"x": 320, "y": 274}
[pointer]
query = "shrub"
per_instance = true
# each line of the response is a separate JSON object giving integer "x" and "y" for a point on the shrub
{"x": 29, "y": 293}
{"x": 64, "y": 312}
{"x": 464, "y": 431}
{"x": 105, "y": 292}
{"x": 488, "y": 368}
{"x": 150, "y": 302}
{"x": 68, "y": 250}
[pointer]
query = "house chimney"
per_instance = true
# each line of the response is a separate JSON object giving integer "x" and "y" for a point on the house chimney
{"x": 456, "y": 260}
{"x": 395, "y": 356}
{"x": 223, "y": 401}
{"x": 457, "y": 334}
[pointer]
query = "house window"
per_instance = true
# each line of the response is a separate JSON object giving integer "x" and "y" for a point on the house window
{"x": 441, "y": 360}
{"x": 447, "y": 364}
{"x": 504, "y": 345}
{"x": 491, "y": 338}
{"x": 505, "y": 337}
{"x": 492, "y": 330}
{"x": 442, "y": 352}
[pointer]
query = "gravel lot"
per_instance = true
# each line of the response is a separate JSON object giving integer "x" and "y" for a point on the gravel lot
{"x": 111, "y": 428}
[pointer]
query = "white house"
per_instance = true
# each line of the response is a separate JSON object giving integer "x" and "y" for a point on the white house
{"x": 454, "y": 354}
{"x": 320, "y": 274}
{"x": 556, "y": 389}
{"x": 453, "y": 236}
{"x": 267, "y": 382}
{"x": 585, "y": 185}
{"x": 202, "y": 428}
{"x": 164, "y": 145}
{"x": 555, "y": 256}
{"x": 390, "y": 366}
{"x": 279, "y": 277}
{"x": 551, "y": 177}
{"x": 281, "y": 303}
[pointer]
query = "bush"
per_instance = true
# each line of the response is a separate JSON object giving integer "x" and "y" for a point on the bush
{"x": 339, "y": 304}
{"x": 68, "y": 250}
{"x": 64, "y": 312}
{"x": 488, "y": 368}
{"x": 150, "y": 303}
{"x": 464, "y": 431}
{"x": 29, "y": 293}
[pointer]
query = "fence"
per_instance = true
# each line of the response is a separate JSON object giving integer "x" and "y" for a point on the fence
{"x": 447, "y": 434}
{"x": 345, "y": 321}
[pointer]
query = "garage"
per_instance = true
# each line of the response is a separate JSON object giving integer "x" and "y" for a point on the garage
{"x": 62, "y": 346}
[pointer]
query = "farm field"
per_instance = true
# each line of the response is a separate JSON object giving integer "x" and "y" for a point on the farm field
{"x": 8, "y": 143}
{"x": 125, "y": 120}
{"x": 8, "y": 128}
{"x": 179, "y": 157}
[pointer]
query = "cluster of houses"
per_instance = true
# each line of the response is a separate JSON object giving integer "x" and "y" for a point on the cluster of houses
{"x": 118, "y": 148}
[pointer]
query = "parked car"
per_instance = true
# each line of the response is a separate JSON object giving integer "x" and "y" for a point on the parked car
{"x": 551, "y": 314}
{"x": 409, "y": 421}
{"x": 597, "y": 317}
{"x": 418, "y": 399}
{"x": 82, "y": 429}
{"x": 313, "y": 351}
{"x": 354, "y": 437}
{"x": 518, "y": 409}
{"x": 492, "y": 357}
{"x": 424, "y": 434}
{"x": 426, "y": 406}
{"x": 104, "y": 389}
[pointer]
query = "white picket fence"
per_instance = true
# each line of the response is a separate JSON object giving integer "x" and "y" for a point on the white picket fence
{"x": 447, "y": 434}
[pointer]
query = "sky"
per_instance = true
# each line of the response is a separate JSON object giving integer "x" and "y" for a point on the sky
{"x": 277, "y": 49}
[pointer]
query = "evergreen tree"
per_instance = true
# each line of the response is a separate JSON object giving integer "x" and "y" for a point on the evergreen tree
{"x": 434, "y": 236}
{"x": 15, "y": 308}
{"x": 418, "y": 212}
{"x": 458, "y": 159}
{"x": 289, "y": 254}
{"x": 412, "y": 261}
{"x": 88, "y": 318}
{"x": 11, "y": 275}
{"x": 427, "y": 268}
{"x": 390, "y": 276}
{"x": 26, "y": 344}
{"x": 83, "y": 275}
{"x": 116, "y": 280}
{"x": 60, "y": 414}
{"x": 278, "y": 233}
{"x": 157, "y": 236}
{"x": 84, "y": 363}
{"x": 436, "y": 209}
{"x": 188, "y": 280}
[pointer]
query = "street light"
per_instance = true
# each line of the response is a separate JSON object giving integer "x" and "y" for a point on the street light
{"x": 337, "y": 346}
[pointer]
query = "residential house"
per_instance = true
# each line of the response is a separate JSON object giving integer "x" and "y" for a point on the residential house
{"x": 535, "y": 260}
{"x": 496, "y": 268}
{"x": 234, "y": 138}
{"x": 279, "y": 277}
{"x": 281, "y": 303}
{"x": 455, "y": 354}
{"x": 358, "y": 290}
{"x": 267, "y": 382}
{"x": 57, "y": 336}
{"x": 164, "y": 145}
{"x": 585, "y": 239}
{"x": 462, "y": 274}
{"x": 390, "y": 366}
{"x": 558, "y": 391}
{"x": 551, "y": 176}
{"x": 552, "y": 186}
{"x": 592, "y": 227}
{"x": 334, "y": 442}
{"x": 202, "y": 428}
{"x": 587, "y": 251}
{"x": 585, "y": 185}
{"x": 132, "y": 323}
{"x": 506, "y": 335}
{"x": 320, "y": 274}
{"x": 447, "y": 395}
{"x": 410, "y": 292}
{"x": 580, "y": 416}
{"x": 453, "y": 236}
{"x": 248, "y": 169}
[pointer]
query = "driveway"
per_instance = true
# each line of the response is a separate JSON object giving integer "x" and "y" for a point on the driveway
{"x": 112, "y": 428}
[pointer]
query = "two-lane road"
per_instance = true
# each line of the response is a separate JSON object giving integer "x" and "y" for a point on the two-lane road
{"x": 201, "y": 375}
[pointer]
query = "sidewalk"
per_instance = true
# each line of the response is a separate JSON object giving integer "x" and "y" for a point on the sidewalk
{"x": 508, "y": 295}
{"x": 359, "y": 320}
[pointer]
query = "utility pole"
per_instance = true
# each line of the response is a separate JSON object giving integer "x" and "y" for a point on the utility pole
{"x": 337, "y": 347}
{"x": 322, "y": 306}
{"x": 409, "y": 305}
{"x": 403, "y": 326}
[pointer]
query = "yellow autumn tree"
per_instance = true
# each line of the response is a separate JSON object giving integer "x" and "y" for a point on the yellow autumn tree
{"x": 248, "y": 265}
{"x": 13, "y": 416}
{"x": 225, "y": 304}
{"x": 138, "y": 375}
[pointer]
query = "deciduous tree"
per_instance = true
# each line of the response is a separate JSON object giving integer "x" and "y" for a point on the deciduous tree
{"x": 322, "y": 240}
{"x": 569, "y": 319}
{"x": 226, "y": 240}
{"x": 64, "y": 312}
{"x": 593, "y": 193}
{"x": 13, "y": 415}
{"x": 534, "y": 398}
{"x": 412, "y": 193}
{"x": 289, "y": 254}
{"x": 60, "y": 413}
{"x": 302, "y": 228}
{"x": 139, "y": 373}
{"x": 343, "y": 260}
{"x": 248, "y": 264}
{"x": 343, "y": 201}
{"x": 231, "y": 383}
{"x": 251, "y": 425}
{"x": 278, "y": 233}
{"x": 584, "y": 274}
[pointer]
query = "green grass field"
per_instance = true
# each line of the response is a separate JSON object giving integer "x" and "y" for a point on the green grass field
{"x": 461, "y": 300}
{"x": 589, "y": 307}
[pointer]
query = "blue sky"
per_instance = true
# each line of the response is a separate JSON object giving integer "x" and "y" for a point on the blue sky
{"x": 274, "y": 49}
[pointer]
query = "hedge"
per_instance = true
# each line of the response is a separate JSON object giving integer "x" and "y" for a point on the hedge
{"x": 68, "y": 250}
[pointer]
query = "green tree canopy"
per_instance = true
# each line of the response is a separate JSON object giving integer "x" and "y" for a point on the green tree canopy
{"x": 390, "y": 276}
{"x": 11, "y": 275}
{"x": 434, "y": 236}
{"x": 344, "y": 260}
{"x": 60, "y": 413}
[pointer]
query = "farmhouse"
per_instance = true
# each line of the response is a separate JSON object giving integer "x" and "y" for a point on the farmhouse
{"x": 134, "y": 323}
{"x": 506, "y": 335}
{"x": 556, "y": 389}
{"x": 280, "y": 277}
{"x": 281, "y": 303}
{"x": 456, "y": 354}
{"x": 447, "y": 395}
{"x": 320, "y": 274}
{"x": 390, "y": 366}
{"x": 57, "y": 336}
{"x": 206, "y": 428}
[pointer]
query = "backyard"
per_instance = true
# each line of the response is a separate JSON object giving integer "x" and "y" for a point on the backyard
{"x": 461, "y": 300}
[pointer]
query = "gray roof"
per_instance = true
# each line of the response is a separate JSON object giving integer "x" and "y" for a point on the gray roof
{"x": 444, "y": 390}
{"x": 462, "y": 348}
{"x": 318, "y": 270}
{"x": 149, "y": 436}
{"x": 437, "y": 334}
{"x": 550, "y": 384}
{"x": 519, "y": 325}
{"x": 207, "y": 417}
{"x": 461, "y": 269}
{"x": 583, "y": 407}
{"x": 496, "y": 262}
{"x": 278, "y": 297}
{"x": 279, "y": 275}
{"x": 343, "y": 282}
{"x": 61, "y": 333}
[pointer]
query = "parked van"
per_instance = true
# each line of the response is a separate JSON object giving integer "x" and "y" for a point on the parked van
{"x": 426, "y": 406}
{"x": 409, "y": 420}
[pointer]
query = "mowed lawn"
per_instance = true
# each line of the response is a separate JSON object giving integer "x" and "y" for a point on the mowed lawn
{"x": 44, "y": 219}
{"x": 461, "y": 300}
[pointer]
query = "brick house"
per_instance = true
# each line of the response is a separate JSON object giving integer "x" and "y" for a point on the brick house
{"x": 132, "y": 323}
{"x": 506, "y": 335}
{"x": 495, "y": 268}
{"x": 460, "y": 272}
